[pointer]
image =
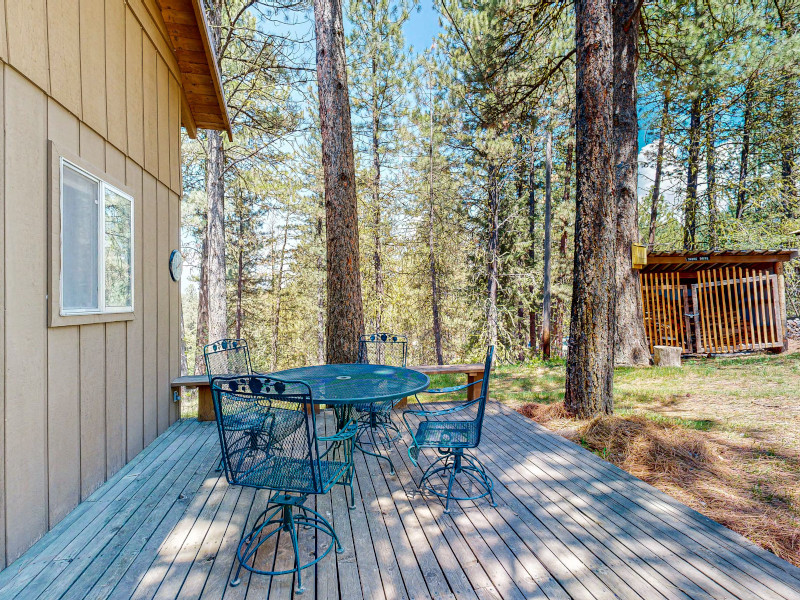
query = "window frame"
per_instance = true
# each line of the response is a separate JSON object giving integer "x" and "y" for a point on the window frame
{"x": 58, "y": 316}
{"x": 102, "y": 187}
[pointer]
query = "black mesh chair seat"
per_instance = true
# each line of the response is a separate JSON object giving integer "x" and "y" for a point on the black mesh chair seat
{"x": 268, "y": 434}
{"x": 449, "y": 434}
{"x": 232, "y": 357}
{"x": 285, "y": 473}
{"x": 451, "y": 437}
{"x": 376, "y": 428}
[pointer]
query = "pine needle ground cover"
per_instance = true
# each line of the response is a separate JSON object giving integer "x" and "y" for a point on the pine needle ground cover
{"x": 720, "y": 435}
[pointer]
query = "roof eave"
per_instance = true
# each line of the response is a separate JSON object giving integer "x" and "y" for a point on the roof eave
{"x": 200, "y": 14}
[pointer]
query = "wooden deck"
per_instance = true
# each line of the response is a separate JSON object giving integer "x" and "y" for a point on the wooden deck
{"x": 568, "y": 525}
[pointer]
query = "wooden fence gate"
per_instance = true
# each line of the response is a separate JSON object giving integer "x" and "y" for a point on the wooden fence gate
{"x": 729, "y": 309}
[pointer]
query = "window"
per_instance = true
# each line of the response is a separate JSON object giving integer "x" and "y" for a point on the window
{"x": 96, "y": 244}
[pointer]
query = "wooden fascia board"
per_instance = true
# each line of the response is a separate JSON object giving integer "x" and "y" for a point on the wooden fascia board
{"x": 742, "y": 258}
{"x": 212, "y": 64}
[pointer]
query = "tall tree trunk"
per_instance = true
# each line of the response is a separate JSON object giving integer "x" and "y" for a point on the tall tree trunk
{"x": 548, "y": 202}
{"x": 690, "y": 203}
{"x": 590, "y": 364}
{"x": 568, "y": 159}
{"x": 376, "y": 204}
{"x": 711, "y": 175}
{"x": 201, "y": 335}
{"x": 532, "y": 326}
{"x": 276, "y": 289}
{"x": 741, "y": 195}
{"x": 492, "y": 265}
{"x": 437, "y": 325}
{"x": 320, "y": 297}
{"x": 184, "y": 358}
{"x": 215, "y": 189}
{"x": 788, "y": 188}
{"x": 345, "y": 322}
{"x": 630, "y": 344}
{"x": 656, "y": 194}
{"x": 240, "y": 279}
{"x": 519, "y": 179}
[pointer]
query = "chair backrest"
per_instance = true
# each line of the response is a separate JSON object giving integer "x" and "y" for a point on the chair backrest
{"x": 487, "y": 368}
{"x": 383, "y": 349}
{"x": 227, "y": 357}
{"x": 267, "y": 431}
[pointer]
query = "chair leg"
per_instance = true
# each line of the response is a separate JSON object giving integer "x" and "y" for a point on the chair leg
{"x": 370, "y": 426}
{"x": 293, "y": 533}
{"x": 283, "y": 513}
{"x": 452, "y": 464}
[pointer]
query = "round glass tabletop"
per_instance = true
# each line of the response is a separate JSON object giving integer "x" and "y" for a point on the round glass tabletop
{"x": 355, "y": 383}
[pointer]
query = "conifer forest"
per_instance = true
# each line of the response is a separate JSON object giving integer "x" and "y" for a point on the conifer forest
{"x": 469, "y": 152}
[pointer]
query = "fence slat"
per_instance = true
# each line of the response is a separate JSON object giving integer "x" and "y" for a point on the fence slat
{"x": 777, "y": 307}
{"x": 708, "y": 345}
{"x": 768, "y": 308}
{"x": 686, "y": 322}
{"x": 737, "y": 310}
{"x": 725, "y": 305}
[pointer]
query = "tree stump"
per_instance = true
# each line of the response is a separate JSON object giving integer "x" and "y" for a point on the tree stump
{"x": 667, "y": 356}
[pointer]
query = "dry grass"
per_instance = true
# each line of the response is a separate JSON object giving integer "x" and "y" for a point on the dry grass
{"x": 708, "y": 472}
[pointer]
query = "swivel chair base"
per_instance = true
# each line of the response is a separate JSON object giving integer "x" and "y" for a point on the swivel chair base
{"x": 452, "y": 463}
{"x": 284, "y": 513}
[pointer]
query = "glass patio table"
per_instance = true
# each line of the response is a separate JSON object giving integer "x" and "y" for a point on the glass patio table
{"x": 343, "y": 386}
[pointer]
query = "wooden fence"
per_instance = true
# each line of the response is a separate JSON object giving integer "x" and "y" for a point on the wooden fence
{"x": 729, "y": 309}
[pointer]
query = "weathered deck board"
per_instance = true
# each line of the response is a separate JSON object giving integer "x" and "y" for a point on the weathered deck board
{"x": 568, "y": 525}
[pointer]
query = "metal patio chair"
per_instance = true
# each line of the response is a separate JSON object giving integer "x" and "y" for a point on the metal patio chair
{"x": 451, "y": 438}
{"x": 293, "y": 462}
{"x": 232, "y": 357}
{"x": 376, "y": 429}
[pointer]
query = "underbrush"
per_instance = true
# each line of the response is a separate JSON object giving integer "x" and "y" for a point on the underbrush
{"x": 735, "y": 482}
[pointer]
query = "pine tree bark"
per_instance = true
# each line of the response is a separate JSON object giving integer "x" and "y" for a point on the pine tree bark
{"x": 345, "y": 322}
{"x": 656, "y": 194}
{"x": 788, "y": 151}
{"x": 376, "y": 203}
{"x": 320, "y": 297}
{"x": 215, "y": 189}
{"x": 239, "y": 279}
{"x": 215, "y": 192}
{"x": 201, "y": 333}
{"x": 492, "y": 265}
{"x": 690, "y": 203}
{"x": 630, "y": 344}
{"x": 276, "y": 289}
{"x": 711, "y": 175}
{"x": 437, "y": 325}
{"x": 532, "y": 325}
{"x": 590, "y": 363}
{"x": 741, "y": 195}
{"x": 548, "y": 203}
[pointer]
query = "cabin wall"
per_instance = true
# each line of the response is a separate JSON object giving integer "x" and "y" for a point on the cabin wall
{"x": 98, "y": 79}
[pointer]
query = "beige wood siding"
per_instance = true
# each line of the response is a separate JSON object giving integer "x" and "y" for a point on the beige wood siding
{"x": 2, "y": 321}
{"x": 96, "y": 78}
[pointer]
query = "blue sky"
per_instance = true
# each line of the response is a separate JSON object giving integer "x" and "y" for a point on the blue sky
{"x": 422, "y": 27}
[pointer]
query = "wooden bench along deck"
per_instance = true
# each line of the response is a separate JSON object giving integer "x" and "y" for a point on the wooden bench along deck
{"x": 568, "y": 525}
{"x": 205, "y": 405}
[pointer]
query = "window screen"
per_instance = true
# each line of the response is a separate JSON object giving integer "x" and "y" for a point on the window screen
{"x": 96, "y": 244}
{"x": 79, "y": 240}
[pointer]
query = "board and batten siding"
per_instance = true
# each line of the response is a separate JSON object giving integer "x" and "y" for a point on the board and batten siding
{"x": 97, "y": 79}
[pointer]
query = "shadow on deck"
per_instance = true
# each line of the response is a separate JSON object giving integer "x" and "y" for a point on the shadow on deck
{"x": 568, "y": 525}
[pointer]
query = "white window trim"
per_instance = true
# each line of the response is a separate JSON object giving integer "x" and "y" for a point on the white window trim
{"x": 101, "y": 233}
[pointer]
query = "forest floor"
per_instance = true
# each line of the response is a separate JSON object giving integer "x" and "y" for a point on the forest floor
{"x": 721, "y": 435}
